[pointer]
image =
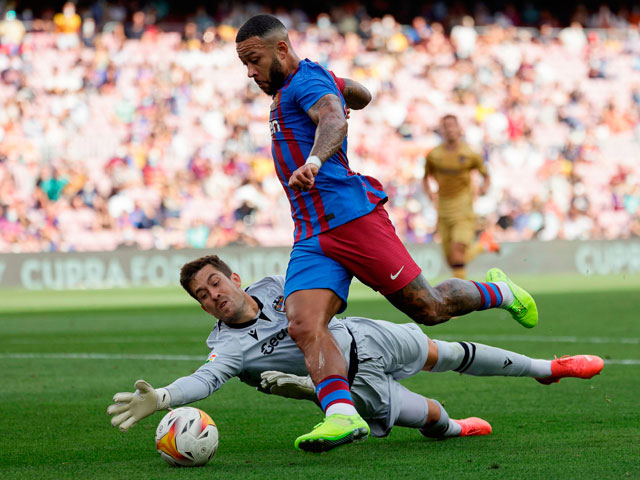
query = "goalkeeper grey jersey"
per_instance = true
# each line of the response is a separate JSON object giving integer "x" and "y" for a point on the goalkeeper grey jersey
{"x": 260, "y": 345}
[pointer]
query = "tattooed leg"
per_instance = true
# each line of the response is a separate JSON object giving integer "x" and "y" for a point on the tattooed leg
{"x": 429, "y": 305}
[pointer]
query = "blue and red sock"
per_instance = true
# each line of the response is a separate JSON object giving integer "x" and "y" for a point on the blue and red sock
{"x": 334, "y": 395}
{"x": 490, "y": 295}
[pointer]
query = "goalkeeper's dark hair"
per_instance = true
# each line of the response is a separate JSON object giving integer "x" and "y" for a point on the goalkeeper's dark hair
{"x": 259, "y": 26}
{"x": 190, "y": 269}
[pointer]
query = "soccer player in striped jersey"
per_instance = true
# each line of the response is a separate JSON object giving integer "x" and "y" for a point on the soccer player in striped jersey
{"x": 250, "y": 341}
{"x": 341, "y": 227}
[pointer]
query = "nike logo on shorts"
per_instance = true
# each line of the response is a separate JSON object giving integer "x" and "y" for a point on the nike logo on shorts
{"x": 393, "y": 277}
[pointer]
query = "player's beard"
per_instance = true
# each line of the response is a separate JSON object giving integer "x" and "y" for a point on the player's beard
{"x": 238, "y": 313}
{"x": 276, "y": 77}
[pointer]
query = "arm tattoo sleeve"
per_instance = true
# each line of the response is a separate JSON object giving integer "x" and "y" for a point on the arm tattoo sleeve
{"x": 331, "y": 128}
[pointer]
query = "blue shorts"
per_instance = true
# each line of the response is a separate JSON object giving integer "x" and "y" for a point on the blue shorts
{"x": 310, "y": 268}
{"x": 366, "y": 247}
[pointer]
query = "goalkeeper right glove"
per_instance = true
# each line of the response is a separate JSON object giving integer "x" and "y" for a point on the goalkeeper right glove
{"x": 130, "y": 408}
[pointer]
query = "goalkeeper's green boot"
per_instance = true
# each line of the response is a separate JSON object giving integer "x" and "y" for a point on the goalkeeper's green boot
{"x": 523, "y": 308}
{"x": 334, "y": 431}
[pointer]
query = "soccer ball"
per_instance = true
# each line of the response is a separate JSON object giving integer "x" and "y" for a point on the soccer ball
{"x": 187, "y": 437}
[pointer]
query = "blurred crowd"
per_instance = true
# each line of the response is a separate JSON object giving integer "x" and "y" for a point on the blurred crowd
{"x": 118, "y": 131}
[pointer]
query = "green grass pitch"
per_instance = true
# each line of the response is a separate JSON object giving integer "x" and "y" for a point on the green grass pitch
{"x": 53, "y": 421}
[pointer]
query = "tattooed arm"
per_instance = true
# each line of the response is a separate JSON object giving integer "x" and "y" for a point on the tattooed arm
{"x": 355, "y": 94}
{"x": 328, "y": 114}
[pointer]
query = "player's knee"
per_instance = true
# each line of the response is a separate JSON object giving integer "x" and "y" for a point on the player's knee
{"x": 457, "y": 252}
{"x": 457, "y": 258}
{"x": 297, "y": 329}
{"x": 303, "y": 328}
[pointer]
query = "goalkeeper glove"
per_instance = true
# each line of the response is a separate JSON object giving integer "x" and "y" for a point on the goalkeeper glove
{"x": 130, "y": 408}
{"x": 287, "y": 385}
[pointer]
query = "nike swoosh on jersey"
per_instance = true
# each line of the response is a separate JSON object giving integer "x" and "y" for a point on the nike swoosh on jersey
{"x": 393, "y": 277}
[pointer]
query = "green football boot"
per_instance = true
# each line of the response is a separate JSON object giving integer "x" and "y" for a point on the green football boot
{"x": 523, "y": 308}
{"x": 332, "y": 432}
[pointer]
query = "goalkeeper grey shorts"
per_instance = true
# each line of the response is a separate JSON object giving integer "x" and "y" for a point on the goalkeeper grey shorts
{"x": 387, "y": 352}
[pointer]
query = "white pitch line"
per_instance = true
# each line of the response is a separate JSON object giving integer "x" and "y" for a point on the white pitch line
{"x": 190, "y": 358}
{"x": 628, "y": 361}
{"x": 116, "y": 340}
{"x": 104, "y": 356}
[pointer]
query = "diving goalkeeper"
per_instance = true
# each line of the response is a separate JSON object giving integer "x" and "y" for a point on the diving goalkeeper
{"x": 250, "y": 341}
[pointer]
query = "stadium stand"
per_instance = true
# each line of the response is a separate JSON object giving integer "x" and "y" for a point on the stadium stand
{"x": 120, "y": 132}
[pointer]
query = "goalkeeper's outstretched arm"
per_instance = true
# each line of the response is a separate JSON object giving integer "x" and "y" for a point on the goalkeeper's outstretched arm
{"x": 131, "y": 407}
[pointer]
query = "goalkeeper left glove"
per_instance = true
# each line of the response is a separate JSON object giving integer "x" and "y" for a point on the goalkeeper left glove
{"x": 130, "y": 408}
{"x": 288, "y": 385}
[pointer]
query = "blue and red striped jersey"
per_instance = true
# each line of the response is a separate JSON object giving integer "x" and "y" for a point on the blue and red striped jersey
{"x": 339, "y": 194}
